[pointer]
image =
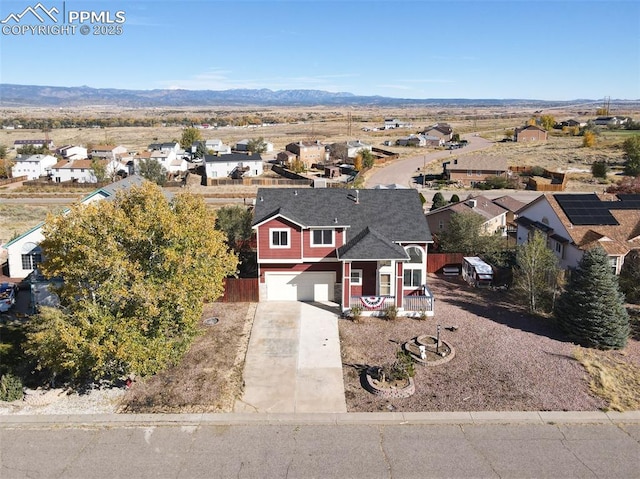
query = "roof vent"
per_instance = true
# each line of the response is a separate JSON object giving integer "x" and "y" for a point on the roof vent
{"x": 295, "y": 192}
{"x": 357, "y": 197}
{"x": 335, "y": 220}
{"x": 472, "y": 203}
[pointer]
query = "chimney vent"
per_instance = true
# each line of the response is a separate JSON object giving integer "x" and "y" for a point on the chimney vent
{"x": 357, "y": 197}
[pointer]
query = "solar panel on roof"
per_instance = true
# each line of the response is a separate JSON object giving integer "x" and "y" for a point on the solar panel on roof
{"x": 586, "y": 209}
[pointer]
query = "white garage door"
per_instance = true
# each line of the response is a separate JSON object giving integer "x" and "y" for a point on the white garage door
{"x": 300, "y": 286}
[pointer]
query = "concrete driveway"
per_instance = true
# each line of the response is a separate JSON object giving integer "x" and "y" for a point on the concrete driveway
{"x": 293, "y": 362}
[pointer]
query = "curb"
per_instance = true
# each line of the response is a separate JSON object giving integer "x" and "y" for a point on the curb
{"x": 324, "y": 419}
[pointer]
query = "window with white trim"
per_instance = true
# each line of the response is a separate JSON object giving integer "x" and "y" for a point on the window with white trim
{"x": 322, "y": 237}
{"x": 31, "y": 260}
{"x": 279, "y": 238}
{"x": 356, "y": 277}
{"x": 412, "y": 276}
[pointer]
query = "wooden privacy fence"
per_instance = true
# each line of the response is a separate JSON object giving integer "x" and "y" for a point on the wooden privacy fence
{"x": 240, "y": 290}
{"x": 7, "y": 181}
{"x": 436, "y": 261}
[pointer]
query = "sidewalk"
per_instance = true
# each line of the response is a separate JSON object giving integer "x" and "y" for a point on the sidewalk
{"x": 293, "y": 362}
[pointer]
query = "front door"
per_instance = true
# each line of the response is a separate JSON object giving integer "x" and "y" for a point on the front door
{"x": 385, "y": 284}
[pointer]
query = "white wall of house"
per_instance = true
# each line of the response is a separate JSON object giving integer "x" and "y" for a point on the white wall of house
{"x": 221, "y": 169}
{"x": 542, "y": 211}
{"x": 69, "y": 173}
{"x": 75, "y": 153}
{"x": 22, "y": 253}
{"x": 33, "y": 166}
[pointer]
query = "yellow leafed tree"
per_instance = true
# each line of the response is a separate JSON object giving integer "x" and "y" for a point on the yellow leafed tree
{"x": 136, "y": 271}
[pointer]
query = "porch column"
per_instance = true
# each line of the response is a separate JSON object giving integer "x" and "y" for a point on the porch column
{"x": 399, "y": 283}
{"x": 346, "y": 285}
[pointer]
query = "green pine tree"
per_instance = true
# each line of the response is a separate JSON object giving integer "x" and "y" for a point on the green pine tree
{"x": 438, "y": 201}
{"x": 591, "y": 310}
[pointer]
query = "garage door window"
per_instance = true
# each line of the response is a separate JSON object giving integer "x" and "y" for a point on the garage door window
{"x": 279, "y": 238}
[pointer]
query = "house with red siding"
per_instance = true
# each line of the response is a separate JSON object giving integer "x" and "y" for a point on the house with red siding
{"x": 358, "y": 248}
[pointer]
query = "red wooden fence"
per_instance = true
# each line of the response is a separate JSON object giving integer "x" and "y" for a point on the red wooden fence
{"x": 240, "y": 290}
{"x": 435, "y": 261}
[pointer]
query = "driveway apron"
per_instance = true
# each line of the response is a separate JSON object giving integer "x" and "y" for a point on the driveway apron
{"x": 293, "y": 362}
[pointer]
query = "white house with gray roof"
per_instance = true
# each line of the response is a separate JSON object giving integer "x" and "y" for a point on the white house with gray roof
{"x": 33, "y": 166}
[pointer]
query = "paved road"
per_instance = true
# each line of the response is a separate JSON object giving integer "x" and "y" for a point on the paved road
{"x": 403, "y": 171}
{"x": 383, "y": 445}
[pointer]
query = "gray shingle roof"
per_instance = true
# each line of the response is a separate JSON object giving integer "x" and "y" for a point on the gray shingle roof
{"x": 374, "y": 224}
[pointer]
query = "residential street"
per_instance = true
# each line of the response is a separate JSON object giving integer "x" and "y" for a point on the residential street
{"x": 402, "y": 172}
{"x": 390, "y": 445}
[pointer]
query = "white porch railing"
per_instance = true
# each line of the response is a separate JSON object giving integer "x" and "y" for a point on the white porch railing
{"x": 415, "y": 303}
{"x": 418, "y": 303}
{"x": 372, "y": 303}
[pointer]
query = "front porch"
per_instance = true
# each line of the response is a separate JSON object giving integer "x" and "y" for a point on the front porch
{"x": 413, "y": 305}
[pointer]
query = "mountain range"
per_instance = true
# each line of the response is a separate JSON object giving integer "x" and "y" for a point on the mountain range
{"x": 12, "y": 95}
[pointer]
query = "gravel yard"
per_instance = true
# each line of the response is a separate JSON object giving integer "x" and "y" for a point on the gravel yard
{"x": 505, "y": 359}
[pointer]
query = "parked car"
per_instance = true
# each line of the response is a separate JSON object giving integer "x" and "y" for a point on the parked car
{"x": 8, "y": 293}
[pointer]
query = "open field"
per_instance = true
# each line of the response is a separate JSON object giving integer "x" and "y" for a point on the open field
{"x": 328, "y": 124}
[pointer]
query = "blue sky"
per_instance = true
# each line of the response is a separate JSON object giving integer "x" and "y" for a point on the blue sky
{"x": 535, "y": 49}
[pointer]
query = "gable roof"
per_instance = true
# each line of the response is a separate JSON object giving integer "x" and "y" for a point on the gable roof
{"x": 477, "y": 162}
{"x": 373, "y": 224}
{"x": 615, "y": 239}
{"x": 509, "y": 203}
{"x": 106, "y": 192}
{"x": 483, "y": 207}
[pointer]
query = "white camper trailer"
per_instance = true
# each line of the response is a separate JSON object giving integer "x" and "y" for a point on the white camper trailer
{"x": 476, "y": 272}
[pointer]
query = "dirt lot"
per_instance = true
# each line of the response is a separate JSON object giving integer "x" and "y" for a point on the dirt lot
{"x": 505, "y": 359}
{"x": 209, "y": 378}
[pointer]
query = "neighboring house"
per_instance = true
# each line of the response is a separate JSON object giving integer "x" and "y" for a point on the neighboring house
{"x": 345, "y": 150}
{"x": 168, "y": 146}
{"x": 439, "y": 130}
{"x": 530, "y": 133}
{"x": 35, "y": 143}
{"x": 33, "y": 166}
{"x": 391, "y": 123}
{"x": 575, "y": 223}
{"x": 243, "y": 145}
{"x": 573, "y": 123}
{"x": 286, "y": 158}
{"x": 212, "y": 146}
{"x": 81, "y": 171}
{"x": 308, "y": 152}
{"x": 108, "y": 152}
{"x": 420, "y": 140}
{"x": 170, "y": 161}
{"x": 71, "y": 152}
{"x": 359, "y": 248}
{"x": 512, "y": 206}
{"x": 469, "y": 170}
{"x": 233, "y": 164}
{"x": 24, "y": 253}
{"x": 494, "y": 216}
{"x": 610, "y": 120}
{"x": 412, "y": 140}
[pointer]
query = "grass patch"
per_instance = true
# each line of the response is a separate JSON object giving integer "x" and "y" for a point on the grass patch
{"x": 612, "y": 378}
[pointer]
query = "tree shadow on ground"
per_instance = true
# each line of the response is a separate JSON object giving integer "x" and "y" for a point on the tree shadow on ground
{"x": 497, "y": 306}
